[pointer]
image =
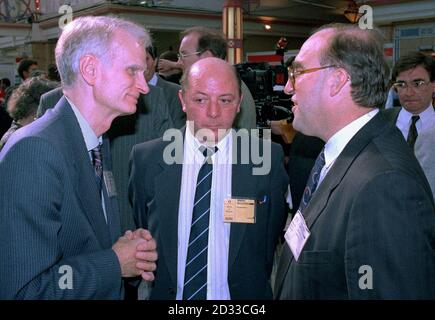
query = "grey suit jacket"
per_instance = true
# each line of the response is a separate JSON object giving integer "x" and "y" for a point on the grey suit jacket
{"x": 150, "y": 121}
{"x": 51, "y": 215}
{"x": 174, "y": 104}
{"x": 155, "y": 191}
{"x": 372, "y": 224}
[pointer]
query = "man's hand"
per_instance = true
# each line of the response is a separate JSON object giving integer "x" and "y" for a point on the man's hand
{"x": 168, "y": 65}
{"x": 146, "y": 253}
{"x": 137, "y": 254}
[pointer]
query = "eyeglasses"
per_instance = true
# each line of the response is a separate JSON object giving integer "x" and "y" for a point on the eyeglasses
{"x": 292, "y": 74}
{"x": 181, "y": 55}
{"x": 416, "y": 85}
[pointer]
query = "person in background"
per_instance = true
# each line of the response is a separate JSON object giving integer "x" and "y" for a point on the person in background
{"x": 24, "y": 103}
{"x": 25, "y": 68}
{"x": 199, "y": 43}
{"x": 170, "y": 89}
{"x": 170, "y": 74}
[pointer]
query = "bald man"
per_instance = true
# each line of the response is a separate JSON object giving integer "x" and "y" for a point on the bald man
{"x": 204, "y": 255}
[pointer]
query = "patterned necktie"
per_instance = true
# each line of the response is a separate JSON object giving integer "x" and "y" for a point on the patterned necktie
{"x": 412, "y": 134}
{"x": 97, "y": 162}
{"x": 313, "y": 180}
{"x": 195, "y": 275}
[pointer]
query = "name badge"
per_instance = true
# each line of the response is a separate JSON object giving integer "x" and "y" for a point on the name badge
{"x": 239, "y": 210}
{"x": 109, "y": 181}
{"x": 297, "y": 235}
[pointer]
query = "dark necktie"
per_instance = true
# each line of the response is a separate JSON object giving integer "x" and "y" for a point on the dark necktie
{"x": 97, "y": 162}
{"x": 195, "y": 275}
{"x": 313, "y": 180}
{"x": 412, "y": 134}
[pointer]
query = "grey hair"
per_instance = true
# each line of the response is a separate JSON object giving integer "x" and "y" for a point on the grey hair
{"x": 91, "y": 35}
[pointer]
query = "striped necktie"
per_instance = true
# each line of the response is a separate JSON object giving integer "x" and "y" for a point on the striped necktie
{"x": 195, "y": 275}
{"x": 97, "y": 162}
{"x": 313, "y": 180}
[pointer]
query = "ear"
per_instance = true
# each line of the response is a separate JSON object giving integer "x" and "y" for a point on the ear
{"x": 338, "y": 81}
{"x": 88, "y": 68}
{"x": 181, "y": 97}
{"x": 206, "y": 54}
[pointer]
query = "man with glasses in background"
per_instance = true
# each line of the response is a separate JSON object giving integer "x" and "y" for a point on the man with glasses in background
{"x": 414, "y": 82}
{"x": 365, "y": 228}
{"x": 199, "y": 43}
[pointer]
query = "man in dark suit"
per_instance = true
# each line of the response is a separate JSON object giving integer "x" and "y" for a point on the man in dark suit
{"x": 60, "y": 228}
{"x": 237, "y": 257}
{"x": 365, "y": 228}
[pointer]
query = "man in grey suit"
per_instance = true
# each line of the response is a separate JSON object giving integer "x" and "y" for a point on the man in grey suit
{"x": 236, "y": 254}
{"x": 151, "y": 119}
{"x": 170, "y": 89}
{"x": 365, "y": 228}
{"x": 60, "y": 229}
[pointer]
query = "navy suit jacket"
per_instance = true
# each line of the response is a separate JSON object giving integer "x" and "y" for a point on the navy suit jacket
{"x": 155, "y": 192}
{"x": 51, "y": 215}
{"x": 373, "y": 211}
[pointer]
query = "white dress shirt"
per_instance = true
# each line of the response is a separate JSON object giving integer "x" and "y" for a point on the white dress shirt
{"x": 336, "y": 144}
{"x": 427, "y": 120}
{"x": 219, "y": 232}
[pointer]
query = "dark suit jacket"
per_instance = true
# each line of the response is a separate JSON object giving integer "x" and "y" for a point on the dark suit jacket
{"x": 374, "y": 208}
{"x": 150, "y": 121}
{"x": 51, "y": 214}
{"x": 174, "y": 104}
{"x": 155, "y": 191}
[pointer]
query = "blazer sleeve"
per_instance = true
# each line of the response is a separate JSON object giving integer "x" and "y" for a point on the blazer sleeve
{"x": 33, "y": 261}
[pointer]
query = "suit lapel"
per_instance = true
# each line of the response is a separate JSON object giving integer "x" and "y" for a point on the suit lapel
{"x": 86, "y": 188}
{"x": 169, "y": 180}
{"x": 339, "y": 169}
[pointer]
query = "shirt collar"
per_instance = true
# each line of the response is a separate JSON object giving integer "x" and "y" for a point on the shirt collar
{"x": 335, "y": 145}
{"x": 153, "y": 80}
{"x": 194, "y": 144}
{"x": 91, "y": 140}
{"x": 425, "y": 116}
